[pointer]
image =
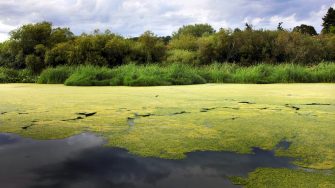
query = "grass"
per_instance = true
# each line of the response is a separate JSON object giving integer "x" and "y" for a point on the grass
{"x": 183, "y": 74}
{"x": 285, "y": 178}
{"x": 56, "y": 75}
{"x": 132, "y": 75}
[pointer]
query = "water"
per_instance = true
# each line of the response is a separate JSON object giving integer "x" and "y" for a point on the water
{"x": 81, "y": 161}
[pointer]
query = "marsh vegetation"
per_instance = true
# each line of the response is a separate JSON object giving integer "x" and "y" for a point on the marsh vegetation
{"x": 193, "y": 54}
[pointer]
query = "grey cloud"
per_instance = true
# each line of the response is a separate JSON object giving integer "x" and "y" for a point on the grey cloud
{"x": 132, "y": 17}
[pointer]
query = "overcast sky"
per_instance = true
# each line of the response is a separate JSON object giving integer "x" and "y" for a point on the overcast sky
{"x": 133, "y": 17}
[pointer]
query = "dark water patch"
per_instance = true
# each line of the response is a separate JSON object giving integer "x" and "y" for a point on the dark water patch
{"x": 180, "y": 113}
{"x": 284, "y": 145}
{"x": 234, "y": 118}
{"x": 246, "y": 102}
{"x": 233, "y": 108}
{"x": 74, "y": 119}
{"x": 131, "y": 121}
{"x": 22, "y": 113}
{"x": 207, "y": 109}
{"x": 87, "y": 114}
{"x": 293, "y": 107}
{"x": 80, "y": 161}
{"x": 317, "y": 104}
{"x": 27, "y": 127}
{"x": 143, "y": 115}
{"x": 6, "y": 139}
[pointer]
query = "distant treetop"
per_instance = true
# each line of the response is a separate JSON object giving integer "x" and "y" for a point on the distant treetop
{"x": 197, "y": 30}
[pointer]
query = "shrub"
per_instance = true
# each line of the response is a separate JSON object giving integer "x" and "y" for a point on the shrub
{"x": 180, "y": 74}
{"x": 56, "y": 75}
{"x": 34, "y": 63}
{"x": 90, "y": 76}
{"x": 182, "y": 56}
{"x": 16, "y": 76}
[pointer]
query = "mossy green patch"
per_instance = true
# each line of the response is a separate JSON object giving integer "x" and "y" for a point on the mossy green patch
{"x": 170, "y": 121}
{"x": 286, "y": 178}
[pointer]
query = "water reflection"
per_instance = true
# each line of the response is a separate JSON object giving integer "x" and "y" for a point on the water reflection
{"x": 80, "y": 161}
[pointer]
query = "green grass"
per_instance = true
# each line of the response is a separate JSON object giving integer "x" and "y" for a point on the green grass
{"x": 56, "y": 75}
{"x": 184, "y": 74}
{"x": 133, "y": 75}
{"x": 286, "y": 178}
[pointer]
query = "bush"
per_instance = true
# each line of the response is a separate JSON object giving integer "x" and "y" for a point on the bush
{"x": 34, "y": 63}
{"x": 16, "y": 76}
{"x": 182, "y": 56}
{"x": 56, "y": 75}
{"x": 179, "y": 74}
{"x": 90, "y": 76}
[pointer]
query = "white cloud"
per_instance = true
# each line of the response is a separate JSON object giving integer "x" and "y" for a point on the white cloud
{"x": 133, "y": 17}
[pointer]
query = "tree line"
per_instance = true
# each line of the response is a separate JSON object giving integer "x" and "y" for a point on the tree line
{"x": 40, "y": 45}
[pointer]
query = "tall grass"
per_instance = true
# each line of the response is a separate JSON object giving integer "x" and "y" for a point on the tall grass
{"x": 56, "y": 75}
{"x": 181, "y": 74}
{"x": 133, "y": 75}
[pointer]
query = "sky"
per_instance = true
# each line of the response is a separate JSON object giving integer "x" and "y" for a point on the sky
{"x": 133, "y": 17}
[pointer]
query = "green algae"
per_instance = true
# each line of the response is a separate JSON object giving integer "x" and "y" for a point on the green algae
{"x": 170, "y": 121}
{"x": 286, "y": 178}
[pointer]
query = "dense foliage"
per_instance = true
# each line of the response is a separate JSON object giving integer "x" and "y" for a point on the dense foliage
{"x": 38, "y": 46}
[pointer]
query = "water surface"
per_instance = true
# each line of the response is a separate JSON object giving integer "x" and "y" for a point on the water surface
{"x": 81, "y": 161}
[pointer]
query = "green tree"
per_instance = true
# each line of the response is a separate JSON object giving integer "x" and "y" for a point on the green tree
{"x": 59, "y": 35}
{"x": 305, "y": 29}
{"x": 280, "y": 26}
{"x": 184, "y": 42}
{"x": 117, "y": 51}
{"x": 152, "y": 46}
{"x": 248, "y": 27}
{"x": 328, "y": 21}
{"x": 28, "y": 36}
{"x": 197, "y": 30}
{"x": 34, "y": 63}
{"x": 59, "y": 54}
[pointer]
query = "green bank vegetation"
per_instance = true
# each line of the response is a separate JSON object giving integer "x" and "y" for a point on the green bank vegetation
{"x": 39, "y": 46}
{"x": 179, "y": 74}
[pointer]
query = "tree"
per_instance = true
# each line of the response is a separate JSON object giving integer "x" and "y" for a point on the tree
{"x": 28, "y": 36}
{"x": 197, "y": 30}
{"x": 34, "y": 63}
{"x": 184, "y": 42}
{"x": 280, "y": 26}
{"x": 248, "y": 27}
{"x": 305, "y": 29}
{"x": 117, "y": 51}
{"x": 328, "y": 21}
{"x": 152, "y": 47}
{"x": 58, "y": 55}
{"x": 59, "y": 35}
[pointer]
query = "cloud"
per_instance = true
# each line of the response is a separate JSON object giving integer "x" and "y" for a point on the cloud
{"x": 133, "y": 17}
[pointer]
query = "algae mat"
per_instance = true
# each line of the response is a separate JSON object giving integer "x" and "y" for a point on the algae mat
{"x": 168, "y": 122}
